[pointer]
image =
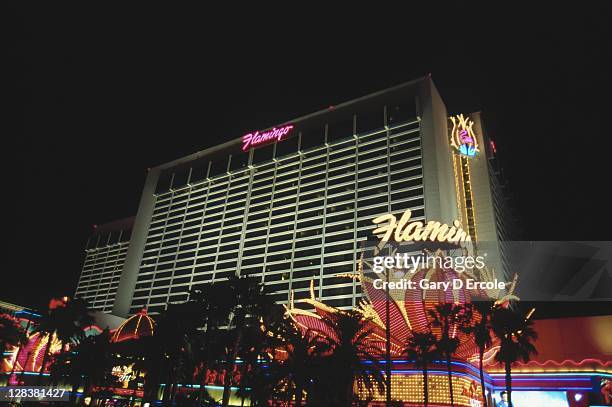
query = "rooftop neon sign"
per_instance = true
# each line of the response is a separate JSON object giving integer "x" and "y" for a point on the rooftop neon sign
{"x": 257, "y": 138}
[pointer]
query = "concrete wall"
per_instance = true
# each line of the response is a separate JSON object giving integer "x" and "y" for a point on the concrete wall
{"x": 484, "y": 212}
{"x": 129, "y": 275}
{"x": 438, "y": 176}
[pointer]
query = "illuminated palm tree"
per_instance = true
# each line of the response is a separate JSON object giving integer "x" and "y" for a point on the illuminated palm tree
{"x": 65, "y": 322}
{"x": 481, "y": 330}
{"x": 449, "y": 318}
{"x": 89, "y": 364}
{"x": 516, "y": 335}
{"x": 421, "y": 347}
{"x": 11, "y": 333}
{"x": 353, "y": 357}
{"x": 302, "y": 358}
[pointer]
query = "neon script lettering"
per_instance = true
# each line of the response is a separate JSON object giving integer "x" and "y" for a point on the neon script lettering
{"x": 404, "y": 230}
{"x": 257, "y": 138}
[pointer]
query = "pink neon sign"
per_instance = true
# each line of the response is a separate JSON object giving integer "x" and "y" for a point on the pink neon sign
{"x": 257, "y": 138}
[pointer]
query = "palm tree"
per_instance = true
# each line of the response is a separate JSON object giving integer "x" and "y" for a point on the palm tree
{"x": 149, "y": 357}
{"x": 89, "y": 364}
{"x": 302, "y": 356}
{"x": 482, "y": 334}
{"x": 175, "y": 331}
{"x": 450, "y": 318}
{"x": 421, "y": 347}
{"x": 353, "y": 357}
{"x": 65, "y": 322}
{"x": 23, "y": 340}
{"x": 248, "y": 303}
{"x": 516, "y": 335}
{"x": 207, "y": 343}
{"x": 11, "y": 333}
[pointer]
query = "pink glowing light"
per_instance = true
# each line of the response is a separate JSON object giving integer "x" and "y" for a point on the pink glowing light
{"x": 465, "y": 137}
{"x": 493, "y": 147}
{"x": 257, "y": 138}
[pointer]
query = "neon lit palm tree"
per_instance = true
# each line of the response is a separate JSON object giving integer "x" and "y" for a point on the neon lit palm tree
{"x": 516, "y": 335}
{"x": 450, "y": 318}
{"x": 421, "y": 347}
{"x": 65, "y": 322}
{"x": 353, "y": 357}
{"x": 482, "y": 334}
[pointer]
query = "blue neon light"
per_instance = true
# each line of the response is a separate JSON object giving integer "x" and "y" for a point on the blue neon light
{"x": 470, "y": 151}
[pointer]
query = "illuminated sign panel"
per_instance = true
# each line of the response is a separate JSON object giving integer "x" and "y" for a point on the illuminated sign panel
{"x": 256, "y": 139}
{"x": 404, "y": 230}
{"x": 463, "y": 138}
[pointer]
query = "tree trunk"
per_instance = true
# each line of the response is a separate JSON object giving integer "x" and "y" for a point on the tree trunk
{"x": 387, "y": 341}
{"x": 14, "y": 365}
{"x": 167, "y": 388}
{"x": 349, "y": 392}
{"x": 24, "y": 367}
{"x": 202, "y": 384}
{"x": 174, "y": 385}
{"x": 482, "y": 381}
{"x": 231, "y": 361}
{"x": 73, "y": 393}
{"x": 450, "y": 379}
{"x": 44, "y": 361}
{"x": 425, "y": 387}
{"x": 509, "y": 383}
{"x": 298, "y": 394}
{"x": 87, "y": 386}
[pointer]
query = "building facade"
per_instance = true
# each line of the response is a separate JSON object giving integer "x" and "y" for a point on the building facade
{"x": 105, "y": 255}
{"x": 294, "y": 203}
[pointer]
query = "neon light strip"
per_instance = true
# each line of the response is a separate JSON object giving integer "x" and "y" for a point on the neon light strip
{"x": 466, "y": 365}
{"x": 561, "y": 379}
{"x": 566, "y": 361}
{"x": 436, "y": 373}
{"x": 197, "y": 386}
{"x": 608, "y": 375}
{"x": 27, "y": 312}
{"x": 544, "y": 388}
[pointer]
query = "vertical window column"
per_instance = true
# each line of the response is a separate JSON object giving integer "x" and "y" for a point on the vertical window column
{"x": 161, "y": 245}
{"x": 201, "y": 229}
{"x": 269, "y": 222}
{"x": 324, "y": 216}
{"x": 227, "y": 191}
{"x": 295, "y": 217}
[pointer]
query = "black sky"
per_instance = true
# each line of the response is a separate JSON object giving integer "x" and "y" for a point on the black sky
{"x": 98, "y": 93}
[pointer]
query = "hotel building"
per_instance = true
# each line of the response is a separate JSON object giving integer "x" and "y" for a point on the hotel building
{"x": 293, "y": 203}
{"x": 105, "y": 254}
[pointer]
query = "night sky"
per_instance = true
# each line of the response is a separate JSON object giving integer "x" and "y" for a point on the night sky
{"x": 102, "y": 92}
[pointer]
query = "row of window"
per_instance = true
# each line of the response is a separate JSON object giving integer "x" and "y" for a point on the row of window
{"x": 215, "y": 204}
{"x": 200, "y": 234}
{"x": 205, "y": 168}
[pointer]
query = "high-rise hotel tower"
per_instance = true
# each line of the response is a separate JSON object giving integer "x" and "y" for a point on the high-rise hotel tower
{"x": 292, "y": 203}
{"x": 105, "y": 254}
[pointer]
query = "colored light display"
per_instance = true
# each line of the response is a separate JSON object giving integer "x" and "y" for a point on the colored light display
{"x": 256, "y": 139}
{"x": 30, "y": 356}
{"x": 404, "y": 230}
{"x": 136, "y": 326}
{"x": 409, "y": 389}
{"x": 463, "y": 138}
